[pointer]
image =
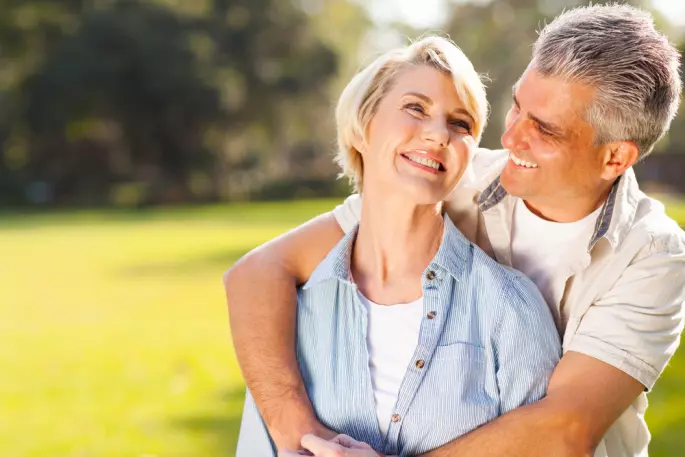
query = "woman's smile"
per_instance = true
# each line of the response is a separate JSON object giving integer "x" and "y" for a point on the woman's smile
{"x": 424, "y": 161}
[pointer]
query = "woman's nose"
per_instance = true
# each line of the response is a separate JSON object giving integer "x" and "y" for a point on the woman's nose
{"x": 436, "y": 132}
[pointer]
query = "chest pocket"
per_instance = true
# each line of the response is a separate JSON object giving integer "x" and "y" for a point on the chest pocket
{"x": 457, "y": 369}
{"x": 459, "y": 350}
{"x": 452, "y": 399}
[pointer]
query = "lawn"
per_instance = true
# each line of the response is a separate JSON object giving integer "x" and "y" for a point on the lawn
{"x": 115, "y": 338}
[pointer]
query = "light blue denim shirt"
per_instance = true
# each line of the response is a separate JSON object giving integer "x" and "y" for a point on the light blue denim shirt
{"x": 487, "y": 345}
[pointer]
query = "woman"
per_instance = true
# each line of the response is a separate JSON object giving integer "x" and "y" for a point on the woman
{"x": 408, "y": 334}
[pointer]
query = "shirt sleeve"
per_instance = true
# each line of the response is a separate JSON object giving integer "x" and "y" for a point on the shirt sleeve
{"x": 527, "y": 346}
{"x": 636, "y": 325}
{"x": 254, "y": 439}
{"x": 349, "y": 213}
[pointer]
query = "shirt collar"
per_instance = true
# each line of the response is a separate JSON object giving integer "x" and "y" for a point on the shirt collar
{"x": 452, "y": 256}
{"x": 336, "y": 265}
{"x": 454, "y": 250}
{"x": 615, "y": 217}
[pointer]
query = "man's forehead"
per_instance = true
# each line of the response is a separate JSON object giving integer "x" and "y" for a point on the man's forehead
{"x": 552, "y": 99}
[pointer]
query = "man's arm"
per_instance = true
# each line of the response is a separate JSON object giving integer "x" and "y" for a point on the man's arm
{"x": 636, "y": 325}
{"x": 262, "y": 303}
{"x": 585, "y": 396}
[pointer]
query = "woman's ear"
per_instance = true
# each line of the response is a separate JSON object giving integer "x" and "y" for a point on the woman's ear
{"x": 359, "y": 143}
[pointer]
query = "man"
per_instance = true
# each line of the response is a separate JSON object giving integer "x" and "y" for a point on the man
{"x": 563, "y": 206}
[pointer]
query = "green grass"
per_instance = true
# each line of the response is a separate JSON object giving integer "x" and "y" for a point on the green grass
{"x": 114, "y": 337}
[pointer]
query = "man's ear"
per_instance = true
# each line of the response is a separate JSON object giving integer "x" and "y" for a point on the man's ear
{"x": 618, "y": 157}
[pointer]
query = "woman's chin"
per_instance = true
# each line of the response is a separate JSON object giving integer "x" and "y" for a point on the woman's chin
{"x": 424, "y": 194}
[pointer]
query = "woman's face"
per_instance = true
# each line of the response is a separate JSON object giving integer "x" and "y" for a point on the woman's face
{"x": 420, "y": 140}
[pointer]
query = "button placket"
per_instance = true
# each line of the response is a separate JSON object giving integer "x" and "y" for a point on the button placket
{"x": 431, "y": 277}
{"x": 430, "y": 330}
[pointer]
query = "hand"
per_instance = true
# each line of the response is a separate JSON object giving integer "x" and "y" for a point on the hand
{"x": 291, "y": 438}
{"x": 340, "y": 446}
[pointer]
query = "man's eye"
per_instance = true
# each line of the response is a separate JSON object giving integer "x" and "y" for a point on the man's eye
{"x": 542, "y": 131}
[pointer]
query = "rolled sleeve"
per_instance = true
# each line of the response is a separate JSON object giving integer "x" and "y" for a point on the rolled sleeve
{"x": 528, "y": 346}
{"x": 636, "y": 325}
{"x": 349, "y": 213}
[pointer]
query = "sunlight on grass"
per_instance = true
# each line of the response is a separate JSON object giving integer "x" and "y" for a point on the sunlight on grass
{"x": 115, "y": 331}
{"x": 116, "y": 340}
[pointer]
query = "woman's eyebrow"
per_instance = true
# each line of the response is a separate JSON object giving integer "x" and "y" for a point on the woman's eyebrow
{"x": 423, "y": 97}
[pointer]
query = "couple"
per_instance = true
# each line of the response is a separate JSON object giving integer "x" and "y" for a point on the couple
{"x": 404, "y": 333}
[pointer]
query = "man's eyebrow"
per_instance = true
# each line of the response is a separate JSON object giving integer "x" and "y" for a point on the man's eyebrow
{"x": 429, "y": 101}
{"x": 513, "y": 96}
{"x": 545, "y": 125}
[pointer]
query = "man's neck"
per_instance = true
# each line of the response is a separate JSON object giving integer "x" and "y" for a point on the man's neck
{"x": 566, "y": 210}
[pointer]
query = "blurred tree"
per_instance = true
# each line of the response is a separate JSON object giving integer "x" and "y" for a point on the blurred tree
{"x": 144, "y": 101}
{"x": 119, "y": 100}
{"x": 140, "y": 103}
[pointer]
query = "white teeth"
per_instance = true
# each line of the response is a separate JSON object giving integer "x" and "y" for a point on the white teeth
{"x": 424, "y": 161}
{"x": 522, "y": 162}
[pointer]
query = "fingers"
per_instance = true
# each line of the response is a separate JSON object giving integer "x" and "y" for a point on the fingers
{"x": 319, "y": 446}
{"x": 299, "y": 453}
{"x": 350, "y": 443}
{"x": 293, "y": 453}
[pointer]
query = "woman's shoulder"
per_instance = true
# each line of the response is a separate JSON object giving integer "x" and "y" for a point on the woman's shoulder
{"x": 503, "y": 279}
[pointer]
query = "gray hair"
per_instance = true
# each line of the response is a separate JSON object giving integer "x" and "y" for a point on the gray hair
{"x": 633, "y": 68}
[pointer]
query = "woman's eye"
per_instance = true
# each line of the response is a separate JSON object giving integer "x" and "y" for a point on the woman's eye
{"x": 461, "y": 125}
{"x": 415, "y": 107}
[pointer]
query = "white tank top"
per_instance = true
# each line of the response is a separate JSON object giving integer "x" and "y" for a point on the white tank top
{"x": 391, "y": 338}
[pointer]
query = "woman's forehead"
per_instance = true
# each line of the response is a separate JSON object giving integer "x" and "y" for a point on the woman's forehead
{"x": 430, "y": 84}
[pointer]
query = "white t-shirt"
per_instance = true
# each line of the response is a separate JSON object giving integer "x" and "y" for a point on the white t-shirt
{"x": 390, "y": 356}
{"x": 546, "y": 251}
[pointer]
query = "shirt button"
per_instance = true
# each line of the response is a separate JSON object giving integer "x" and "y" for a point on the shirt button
{"x": 395, "y": 418}
{"x": 420, "y": 363}
{"x": 431, "y": 315}
{"x": 430, "y": 275}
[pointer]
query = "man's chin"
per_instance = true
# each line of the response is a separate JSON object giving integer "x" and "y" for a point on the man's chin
{"x": 513, "y": 184}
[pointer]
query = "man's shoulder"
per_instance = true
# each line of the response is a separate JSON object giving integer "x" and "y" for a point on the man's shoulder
{"x": 501, "y": 278}
{"x": 655, "y": 226}
{"x": 485, "y": 158}
{"x": 485, "y": 166}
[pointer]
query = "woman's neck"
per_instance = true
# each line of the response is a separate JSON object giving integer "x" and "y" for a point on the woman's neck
{"x": 395, "y": 243}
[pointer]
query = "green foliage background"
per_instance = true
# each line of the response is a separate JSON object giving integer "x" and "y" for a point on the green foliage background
{"x": 139, "y": 102}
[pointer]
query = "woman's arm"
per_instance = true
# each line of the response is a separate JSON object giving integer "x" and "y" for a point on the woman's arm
{"x": 261, "y": 295}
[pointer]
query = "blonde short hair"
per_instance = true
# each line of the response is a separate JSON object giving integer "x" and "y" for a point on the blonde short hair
{"x": 360, "y": 98}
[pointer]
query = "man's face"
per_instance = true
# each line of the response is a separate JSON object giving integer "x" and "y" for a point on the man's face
{"x": 552, "y": 156}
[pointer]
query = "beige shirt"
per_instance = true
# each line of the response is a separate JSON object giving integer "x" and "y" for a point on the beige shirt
{"x": 622, "y": 303}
